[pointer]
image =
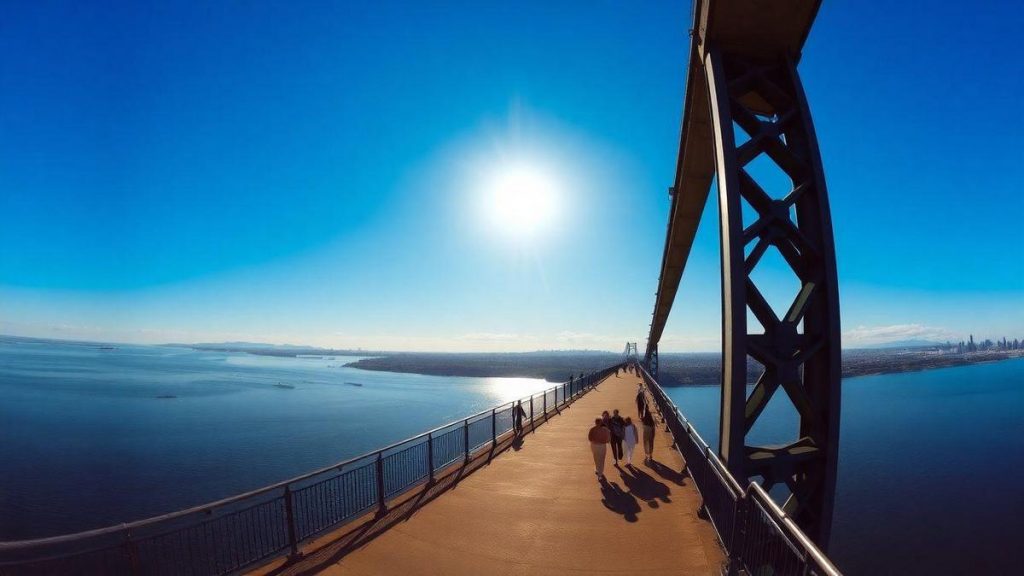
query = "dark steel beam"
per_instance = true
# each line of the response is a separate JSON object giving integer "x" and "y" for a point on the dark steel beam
{"x": 799, "y": 348}
{"x": 742, "y": 74}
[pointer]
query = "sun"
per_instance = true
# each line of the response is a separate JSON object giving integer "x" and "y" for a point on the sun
{"x": 521, "y": 201}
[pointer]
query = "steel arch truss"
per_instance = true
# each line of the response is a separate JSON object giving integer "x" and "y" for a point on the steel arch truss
{"x": 799, "y": 350}
{"x": 651, "y": 360}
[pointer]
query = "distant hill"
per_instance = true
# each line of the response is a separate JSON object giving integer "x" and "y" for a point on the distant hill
{"x": 554, "y": 366}
{"x": 270, "y": 349}
{"x": 247, "y": 346}
{"x": 685, "y": 369}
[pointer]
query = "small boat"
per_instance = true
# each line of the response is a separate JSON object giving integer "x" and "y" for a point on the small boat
{"x": 354, "y": 384}
{"x": 166, "y": 396}
{"x": 285, "y": 386}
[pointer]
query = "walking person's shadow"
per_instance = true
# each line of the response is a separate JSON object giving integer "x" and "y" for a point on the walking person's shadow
{"x": 619, "y": 501}
{"x": 666, "y": 472}
{"x": 645, "y": 487}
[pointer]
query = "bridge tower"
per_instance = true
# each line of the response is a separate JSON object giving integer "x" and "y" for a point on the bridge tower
{"x": 631, "y": 353}
{"x": 744, "y": 101}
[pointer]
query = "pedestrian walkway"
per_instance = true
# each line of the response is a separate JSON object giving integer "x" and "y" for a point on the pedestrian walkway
{"x": 539, "y": 509}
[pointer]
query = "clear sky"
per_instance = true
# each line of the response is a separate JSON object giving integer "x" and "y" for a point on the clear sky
{"x": 330, "y": 174}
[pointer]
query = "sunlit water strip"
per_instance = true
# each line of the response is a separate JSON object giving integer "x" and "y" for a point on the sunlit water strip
{"x": 94, "y": 437}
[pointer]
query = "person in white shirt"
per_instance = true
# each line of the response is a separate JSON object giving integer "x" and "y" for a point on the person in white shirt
{"x": 630, "y": 438}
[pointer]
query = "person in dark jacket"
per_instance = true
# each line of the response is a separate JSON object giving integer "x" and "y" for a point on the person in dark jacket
{"x": 641, "y": 400}
{"x": 617, "y": 426}
{"x": 518, "y": 415}
{"x": 647, "y": 419}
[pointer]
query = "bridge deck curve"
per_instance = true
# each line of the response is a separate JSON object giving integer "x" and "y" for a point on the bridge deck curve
{"x": 540, "y": 510}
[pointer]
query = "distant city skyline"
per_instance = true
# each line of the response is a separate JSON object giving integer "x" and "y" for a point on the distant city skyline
{"x": 486, "y": 179}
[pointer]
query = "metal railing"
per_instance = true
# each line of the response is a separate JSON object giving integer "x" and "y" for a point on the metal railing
{"x": 229, "y": 535}
{"x": 757, "y": 535}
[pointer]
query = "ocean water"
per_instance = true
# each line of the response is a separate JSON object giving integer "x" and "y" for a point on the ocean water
{"x": 929, "y": 461}
{"x": 86, "y": 441}
{"x": 929, "y": 470}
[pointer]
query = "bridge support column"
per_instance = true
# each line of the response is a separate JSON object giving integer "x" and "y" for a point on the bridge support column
{"x": 760, "y": 101}
{"x": 651, "y": 361}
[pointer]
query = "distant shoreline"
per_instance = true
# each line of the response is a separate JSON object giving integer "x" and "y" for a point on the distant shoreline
{"x": 676, "y": 369}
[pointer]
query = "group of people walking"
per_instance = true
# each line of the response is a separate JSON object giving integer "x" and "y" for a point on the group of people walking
{"x": 628, "y": 369}
{"x": 622, "y": 434}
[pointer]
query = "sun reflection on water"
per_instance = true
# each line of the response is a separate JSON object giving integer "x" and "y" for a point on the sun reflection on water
{"x": 509, "y": 389}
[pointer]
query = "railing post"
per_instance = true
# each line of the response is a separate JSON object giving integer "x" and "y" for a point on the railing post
{"x": 289, "y": 514}
{"x": 704, "y": 476}
{"x": 545, "y": 405}
{"x": 738, "y": 533}
{"x": 129, "y": 551}
{"x": 465, "y": 439}
{"x": 532, "y": 428}
{"x": 494, "y": 429}
{"x": 430, "y": 456}
{"x": 381, "y": 506}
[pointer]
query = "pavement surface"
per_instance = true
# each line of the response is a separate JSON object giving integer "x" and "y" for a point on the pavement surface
{"x": 536, "y": 507}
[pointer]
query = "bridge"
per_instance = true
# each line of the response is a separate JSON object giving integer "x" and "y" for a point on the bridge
{"x": 484, "y": 495}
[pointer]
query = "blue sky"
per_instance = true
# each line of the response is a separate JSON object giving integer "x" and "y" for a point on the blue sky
{"x": 325, "y": 174}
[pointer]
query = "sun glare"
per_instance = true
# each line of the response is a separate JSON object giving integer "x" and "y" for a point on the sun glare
{"x": 522, "y": 201}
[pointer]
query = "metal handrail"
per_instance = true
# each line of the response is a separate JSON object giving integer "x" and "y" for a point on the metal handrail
{"x": 412, "y": 468}
{"x": 756, "y": 491}
{"x": 805, "y": 552}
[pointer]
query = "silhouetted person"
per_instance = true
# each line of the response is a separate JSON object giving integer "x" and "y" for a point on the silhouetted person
{"x": 617, "y": 426}
{"x": 599, "y": 437}
{"x": 641, "y": 400}
{"x": 648, "y": 421}
{"x": 518, "y": 414}
{"x": 630, "y": 439}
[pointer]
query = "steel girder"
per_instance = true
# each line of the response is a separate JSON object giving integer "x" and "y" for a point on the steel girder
{"x": 651, "y": 360}
{"x": 799, "y": 350}
{"x": 742, "y": 72}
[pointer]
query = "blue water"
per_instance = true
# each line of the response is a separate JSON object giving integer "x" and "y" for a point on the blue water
{"x": 928, "y": 478}
{"x": 929, "y": 470}
{"x": 85, "y": 441}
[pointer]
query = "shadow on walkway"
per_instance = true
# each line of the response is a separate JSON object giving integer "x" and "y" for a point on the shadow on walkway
{"x": 667, "y": 473}
{"x": 619, "y": 501}
{"x": 645, "y": 487}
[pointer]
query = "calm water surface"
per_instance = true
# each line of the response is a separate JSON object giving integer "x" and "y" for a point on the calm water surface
{"x": 928, "y": 479}
{"x": 85, "y": 440}
{"x": 929, "y": 469}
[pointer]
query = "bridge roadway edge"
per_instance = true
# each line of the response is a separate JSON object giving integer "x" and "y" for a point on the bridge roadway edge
{"x": 535, "y": 507}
